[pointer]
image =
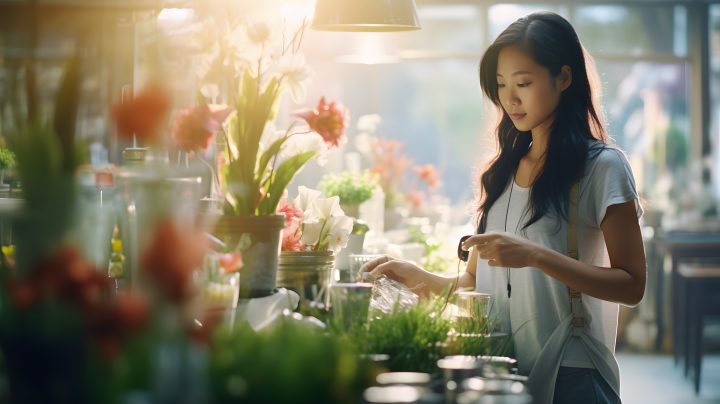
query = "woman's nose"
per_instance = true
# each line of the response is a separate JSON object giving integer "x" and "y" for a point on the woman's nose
{"x": 512, "y": 99}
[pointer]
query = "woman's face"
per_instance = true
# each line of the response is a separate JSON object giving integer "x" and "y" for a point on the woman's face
{"x": 527, "y": 92}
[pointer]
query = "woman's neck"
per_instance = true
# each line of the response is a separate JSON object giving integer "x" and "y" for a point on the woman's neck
{"x": 540, "y": 140}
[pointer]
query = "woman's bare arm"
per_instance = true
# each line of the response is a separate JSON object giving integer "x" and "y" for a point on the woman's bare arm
{"x": 623, "y": 283}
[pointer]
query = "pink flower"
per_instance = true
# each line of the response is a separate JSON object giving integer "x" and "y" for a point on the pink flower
{"x": 291, "y": 213}
{"x": 291, "y": 237}
{"x": 231, "y": 262}
{"x": 193, "y": 128}
{"x": 429, "y": 174}
{"x": 415, "y": 198}
{"x": 328, "y": 120}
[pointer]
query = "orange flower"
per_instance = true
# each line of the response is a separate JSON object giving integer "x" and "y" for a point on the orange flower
{"x": 193, "y": 128}
{"x": 231, "y": 262}
{"x": 143, "y": 115}
{"x": 328, "y": 120}
{"x": 170, "y": 259}
{"x": 429, "y": 174}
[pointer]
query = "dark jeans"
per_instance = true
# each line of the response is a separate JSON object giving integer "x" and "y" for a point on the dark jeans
{"x": 579, "y": 385}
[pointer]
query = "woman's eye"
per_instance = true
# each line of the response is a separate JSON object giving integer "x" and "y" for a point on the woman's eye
{"x": 523, "y": 85}
{"x": 501, "y": 85}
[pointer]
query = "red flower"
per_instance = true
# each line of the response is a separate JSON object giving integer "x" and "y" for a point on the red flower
{"x": 171, "y": 258}
{"x": 142, "y": 115}
{"x": 193, "y": 128}
{"x": 328, "y": 120}
{"x": 429, "y": 174}
{"x": 231, "y": 262}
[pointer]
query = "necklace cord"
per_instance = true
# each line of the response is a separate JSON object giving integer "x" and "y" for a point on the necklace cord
{"x": 509, "y": 288}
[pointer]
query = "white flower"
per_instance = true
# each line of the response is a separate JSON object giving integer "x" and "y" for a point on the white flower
{"x": 304, "y": 201}
{"x": 270, "y": 135}
{"x": 305, "y": 142}
{"x": 262, "y": 31}
{"x": 297, "y": 74}
{"x": 368, "y": 123}
{"x": 311, "y": 231}
{"x": 340, "y": 228}
{"x": 324, "y": 209}
{"x": 210, "y": 90}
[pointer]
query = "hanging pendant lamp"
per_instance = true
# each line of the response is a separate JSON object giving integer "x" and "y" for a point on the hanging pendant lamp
{"x": 365, "y": 15}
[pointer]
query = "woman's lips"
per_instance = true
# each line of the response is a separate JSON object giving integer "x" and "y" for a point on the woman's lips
{"x": 515, "y": 117}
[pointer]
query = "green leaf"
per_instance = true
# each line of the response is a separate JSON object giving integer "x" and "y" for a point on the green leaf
{"x": 283, "y": 176}
{"x": 265, "y": 158}
{"x": 66, "y": 106}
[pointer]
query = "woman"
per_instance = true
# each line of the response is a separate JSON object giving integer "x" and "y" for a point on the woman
{"x": 541, "y": 80}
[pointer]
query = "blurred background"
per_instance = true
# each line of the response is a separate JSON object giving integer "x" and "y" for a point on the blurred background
{"x": 418, "y": 92}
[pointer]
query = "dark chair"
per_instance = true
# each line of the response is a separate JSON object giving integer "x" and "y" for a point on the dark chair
{"x": 698, "y": 297}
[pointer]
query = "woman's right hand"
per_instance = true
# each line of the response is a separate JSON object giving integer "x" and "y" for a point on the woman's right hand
{"x": 402, "y": 271}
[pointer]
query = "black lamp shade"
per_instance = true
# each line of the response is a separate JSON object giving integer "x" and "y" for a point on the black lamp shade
{"x": 365, "y": 15}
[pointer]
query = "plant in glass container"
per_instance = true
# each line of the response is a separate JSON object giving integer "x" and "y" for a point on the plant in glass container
{"x": 316, "y": 230}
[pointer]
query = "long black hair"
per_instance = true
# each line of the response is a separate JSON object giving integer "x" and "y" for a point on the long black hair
{"x": 551, "y": 42}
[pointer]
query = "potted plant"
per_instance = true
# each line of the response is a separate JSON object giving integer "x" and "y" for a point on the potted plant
{"x": 259, "y": 160}
{"x": 352, "y": 189}
{"x": 316, "y": 229}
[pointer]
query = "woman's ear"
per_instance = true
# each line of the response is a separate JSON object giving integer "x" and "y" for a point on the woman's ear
{"x": 565, "y": 78}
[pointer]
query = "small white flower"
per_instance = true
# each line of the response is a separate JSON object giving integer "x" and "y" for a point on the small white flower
{"x": 262, "y": 31}
{"x": 368, "y": 123}
{"x": 340, "y": 228}
{"x": 305, "y": 142}
{"x": 210, "y": 90}
{"x": 296, "y": 73}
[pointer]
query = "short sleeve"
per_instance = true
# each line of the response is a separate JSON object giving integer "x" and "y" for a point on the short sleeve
{"x": 611, "y": 182}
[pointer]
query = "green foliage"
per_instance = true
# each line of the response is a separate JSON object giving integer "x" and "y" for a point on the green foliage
{"x": 286, "y": 365}
{"x": 676, "y": 147}
{"x": 359, "y": 227}
{"x": 434, "y": 260}
{"x": 417, "y": 338}
{"x": 353, "y": 189}
{"x": 7, "y": 159}
{"x": 245, "y": 174}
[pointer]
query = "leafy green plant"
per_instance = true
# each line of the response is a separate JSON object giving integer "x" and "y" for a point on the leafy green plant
{"x": 7, "y": 159}
{"x": 286, "y": 365}
{"x": 353, "y": 189}
{"x": 417, "y": 338}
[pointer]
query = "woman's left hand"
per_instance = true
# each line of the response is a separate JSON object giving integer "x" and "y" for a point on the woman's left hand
{"x": 505, "y": 250}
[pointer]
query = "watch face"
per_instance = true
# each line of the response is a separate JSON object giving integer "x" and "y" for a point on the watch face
{"x": 462, "y": 254}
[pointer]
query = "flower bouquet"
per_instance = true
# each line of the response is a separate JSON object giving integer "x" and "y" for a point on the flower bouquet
{"x": 260, "y": 160}
{"x": 316, "y": 230}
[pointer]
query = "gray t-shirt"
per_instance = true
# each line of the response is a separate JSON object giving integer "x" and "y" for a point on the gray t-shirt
{"x": 540, "y": 303}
